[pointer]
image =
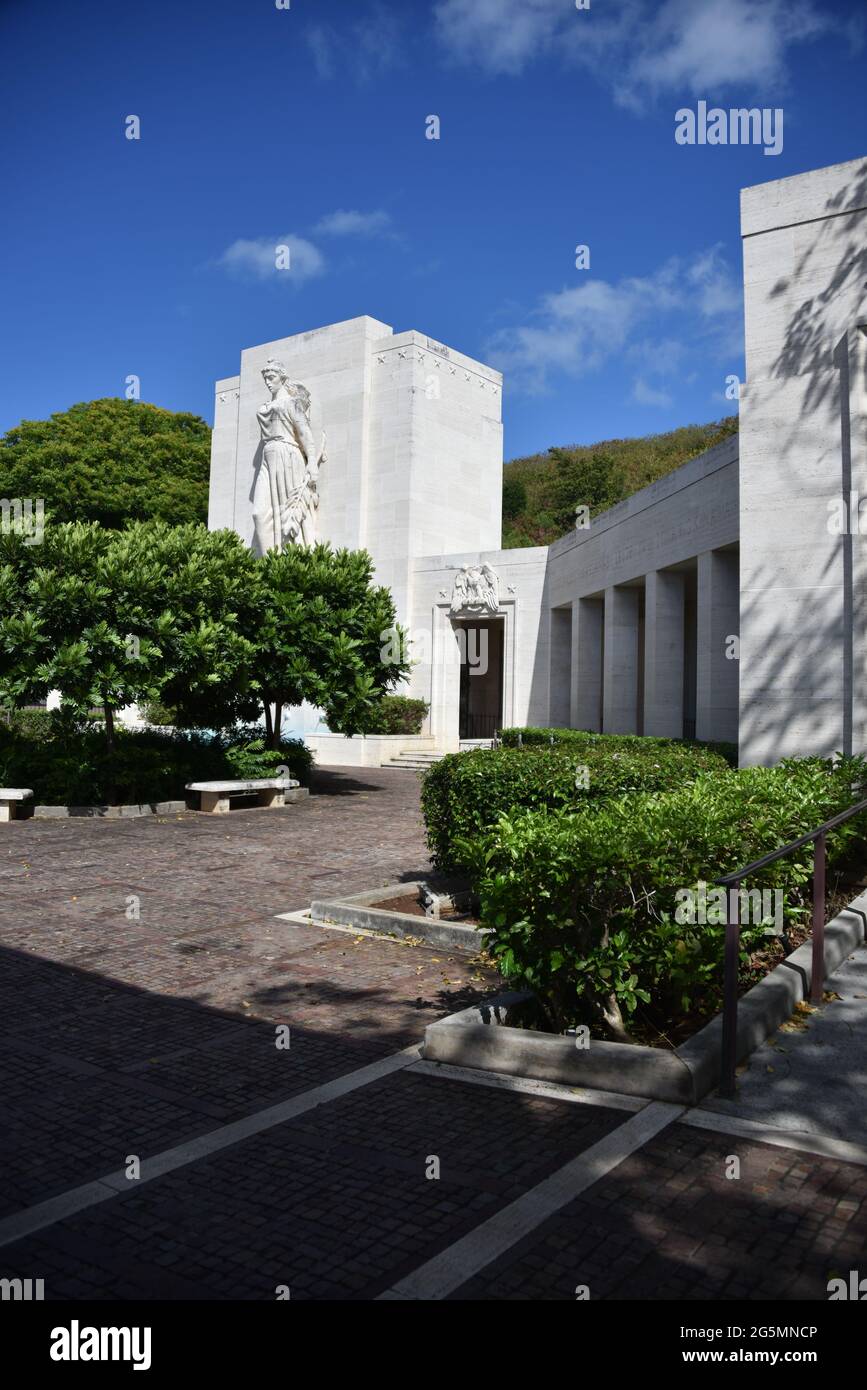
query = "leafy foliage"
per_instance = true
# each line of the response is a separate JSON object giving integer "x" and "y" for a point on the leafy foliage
{"x": 528, "y": 737}
{"x": 111, "y": 618}
{"x": 66, "y": 762}
{"x": 250, "y": 758}
{"x": 319, "y": 634}
{"x": 191, "y": 619}
{"x": 465, "y": 793}
{"x": 595, "y": 475}
{"x": 110, "y": 461}
{"x": 396, "y": 714}
{"x": 514, "y": 498}
{"x": 582, "y": 906}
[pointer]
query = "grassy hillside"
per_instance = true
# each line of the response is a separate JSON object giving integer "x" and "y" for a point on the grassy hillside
{"x": 541, "y": 492}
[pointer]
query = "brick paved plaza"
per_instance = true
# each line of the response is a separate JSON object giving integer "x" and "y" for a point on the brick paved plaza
{"x": 144, "y": 971}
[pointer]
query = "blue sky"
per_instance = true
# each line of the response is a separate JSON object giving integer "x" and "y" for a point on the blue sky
{"x": 306, "y": 126}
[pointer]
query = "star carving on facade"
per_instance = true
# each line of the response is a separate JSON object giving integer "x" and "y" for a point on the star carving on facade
{"x": 401, "y": 353}
{"x": 443, "y": 593}
{"x": 453, "y": 370}
{"x": 380, "y": 360}
{"x": 511, "y": 588}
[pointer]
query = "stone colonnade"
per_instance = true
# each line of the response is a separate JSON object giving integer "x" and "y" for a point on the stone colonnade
{"x": 657, "y": 655}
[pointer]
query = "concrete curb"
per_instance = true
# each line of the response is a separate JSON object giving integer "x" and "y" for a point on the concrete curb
{"x": 152, "y": 808}
{"x": 156, "y": 808}
{"x": 478, "y": 1038}
{"x": 354, "y": 910}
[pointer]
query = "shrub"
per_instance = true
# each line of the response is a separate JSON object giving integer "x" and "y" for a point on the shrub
{"x": 252, "y": 759}
{"x": 155, "y": 713}
{"x": 531, "y": 737}
{"x": 29, "y": 723}
{"x": 582, "y": 908}
{"x": 68, "y": 763}
{"x": 396, "y": 714}
{"x": 465, "y": 793}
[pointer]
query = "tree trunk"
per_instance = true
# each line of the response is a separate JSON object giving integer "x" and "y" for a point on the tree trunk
{"x": 614, "y": 1019}
{"x": 278, "y": 720}
{"x": 108, "y": 711}
{"x": 109, "y": 725}
{"x": 269, "y": 727}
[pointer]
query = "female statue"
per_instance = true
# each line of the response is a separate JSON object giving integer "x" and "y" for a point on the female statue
{"x": 285, "y": 492}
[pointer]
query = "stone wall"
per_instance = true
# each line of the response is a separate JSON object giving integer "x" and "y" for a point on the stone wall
{"x": 803, "y": 451}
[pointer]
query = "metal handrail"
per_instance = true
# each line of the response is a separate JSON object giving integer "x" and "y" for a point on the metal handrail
{"x": 728, "y": 1059}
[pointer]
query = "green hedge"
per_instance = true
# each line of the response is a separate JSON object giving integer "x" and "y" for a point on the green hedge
{"x": 396, "y": 714}
{"x": 531, "y": 737}
{"x": 583, "y": 907}
{"x": 465, "y": 793}
{"x": 66, "y": 762}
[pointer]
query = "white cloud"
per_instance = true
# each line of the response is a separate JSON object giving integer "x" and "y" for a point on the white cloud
{"x": 640, "y": 48}
{"x": 257, "y": 259}
{"x": 502, "y": 36}
{"x": 648, "y": 395}
{"x": 721, "y": 43}
{"x": 321, "y": 45}
{"x": 653, "y": 324}
{"x": 365, "y": 47}
{"x": 359, "y": 224}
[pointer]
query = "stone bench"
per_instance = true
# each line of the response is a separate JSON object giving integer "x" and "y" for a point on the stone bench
{"x": 11, "y": 799}
{"x": 215, "y": 796}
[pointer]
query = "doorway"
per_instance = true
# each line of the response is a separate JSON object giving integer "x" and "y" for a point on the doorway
{"x": 481, "y": 691}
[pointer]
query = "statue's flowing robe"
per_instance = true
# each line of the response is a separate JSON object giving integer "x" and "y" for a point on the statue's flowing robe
{"x": 288, "y": 461}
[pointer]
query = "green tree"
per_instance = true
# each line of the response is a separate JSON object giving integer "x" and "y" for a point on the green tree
{"x": 598, "y": 475}
{"x": 514, "y": 498}
{"x": 192, "y": 618}
{"x": 211, "y": 584}
{"x": 111, "y": 618}
{"x": 80, "y": 616}
{"x": 323, "y": 635}
{"x": 589, "y": 480}
{"x": 110, "y": 461}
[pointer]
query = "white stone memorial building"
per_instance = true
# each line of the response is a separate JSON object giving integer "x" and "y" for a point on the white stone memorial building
{"x": 726, "y": 601}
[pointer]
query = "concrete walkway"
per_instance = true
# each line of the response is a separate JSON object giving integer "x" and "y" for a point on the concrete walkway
{"x": 811, "y": 1075}
{"x": 145, "y": 982}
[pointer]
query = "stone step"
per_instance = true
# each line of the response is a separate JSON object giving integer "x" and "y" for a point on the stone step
{"x": 417, "y": 761}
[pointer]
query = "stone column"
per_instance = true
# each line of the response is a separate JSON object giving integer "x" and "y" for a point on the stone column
{"x": 620, "y": 675}
{"x": 663, "y": 654}
{"x": 560, "y": 668}
{"x": 586, "y": 683}
{"x": 717, "y": 624}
